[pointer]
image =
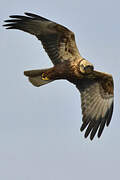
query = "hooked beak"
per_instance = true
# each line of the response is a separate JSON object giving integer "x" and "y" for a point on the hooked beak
{"x": 86, "y": 67}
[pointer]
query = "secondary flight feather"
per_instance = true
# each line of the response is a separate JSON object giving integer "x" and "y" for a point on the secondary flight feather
{"x": 96, "y": 88}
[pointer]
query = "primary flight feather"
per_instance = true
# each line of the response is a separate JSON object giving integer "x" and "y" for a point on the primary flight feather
{"x": 96, "y": 88}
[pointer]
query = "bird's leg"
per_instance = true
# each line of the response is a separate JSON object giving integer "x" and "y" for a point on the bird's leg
{"x": 44, "y": 77}
{"x": 53, "y": 73}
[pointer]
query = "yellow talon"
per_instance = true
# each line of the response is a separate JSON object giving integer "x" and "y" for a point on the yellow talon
{"x": 45, "y": 78}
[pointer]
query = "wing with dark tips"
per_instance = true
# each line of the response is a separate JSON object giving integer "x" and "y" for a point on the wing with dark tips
{"x": 96, "y": 102}
{"x": 57, "y": 40}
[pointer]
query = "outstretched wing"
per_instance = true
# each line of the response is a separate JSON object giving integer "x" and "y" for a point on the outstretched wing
{"x": 96, "y": 102}
{"x": 57, "y": 40}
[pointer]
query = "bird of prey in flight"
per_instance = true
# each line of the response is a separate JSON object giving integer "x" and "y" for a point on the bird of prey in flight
{"x": 96, "y": 88}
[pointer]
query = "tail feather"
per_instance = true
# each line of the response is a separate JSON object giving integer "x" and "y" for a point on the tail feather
{"x": 35, "y": 77}
{"x": 34, "y": 73}
{"x": 37, "y": 81}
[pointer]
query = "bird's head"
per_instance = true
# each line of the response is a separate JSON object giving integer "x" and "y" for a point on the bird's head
{"x": 86, "y": 67}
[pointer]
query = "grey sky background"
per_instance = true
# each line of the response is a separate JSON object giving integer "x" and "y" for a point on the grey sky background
{"x": 39, "y": 127}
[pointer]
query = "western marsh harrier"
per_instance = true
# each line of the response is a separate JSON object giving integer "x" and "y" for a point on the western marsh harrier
{"x": 96, "y": 88}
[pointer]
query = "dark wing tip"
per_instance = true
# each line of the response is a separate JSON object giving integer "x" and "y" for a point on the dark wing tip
{"x": 109, "y": 114}
{"x": 34, "y": 16}
{"x": 89, "y": 128}
{"x": 9, "y": 26}
{"x": 106, "y": 120}
{"x": 11, "y": 23}
{"x": 93, "y": 125}
{"x": 101, "y": 127}
{"x": 19, "y": 17}
{"x": 85, "y": 123}
{"x": 94, "y": 130}
{"x": 17, "y": 20}
{"x": 31, "y": 15}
